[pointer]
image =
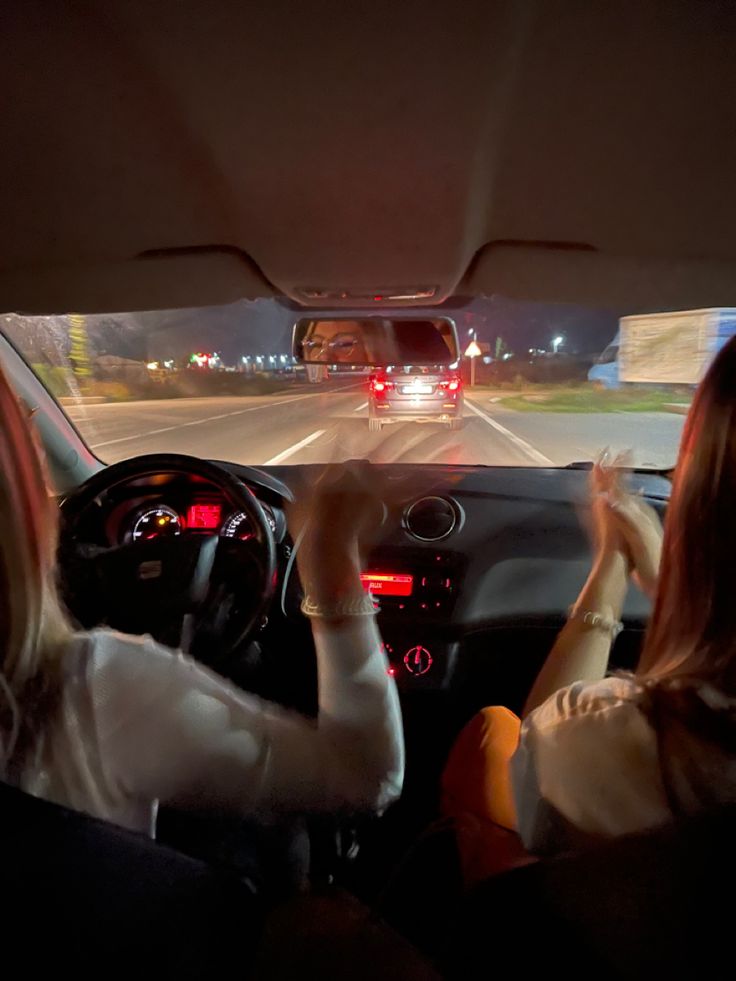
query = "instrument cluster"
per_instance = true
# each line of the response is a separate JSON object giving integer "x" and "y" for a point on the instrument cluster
{"x": 159, "y": 519}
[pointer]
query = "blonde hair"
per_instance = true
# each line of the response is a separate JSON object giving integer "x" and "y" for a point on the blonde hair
{"x": 693, "y": 626}
{"x": 33, "y": 625}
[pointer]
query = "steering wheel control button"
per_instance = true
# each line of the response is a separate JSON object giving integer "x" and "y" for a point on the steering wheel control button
{"x": 417, "y": 660}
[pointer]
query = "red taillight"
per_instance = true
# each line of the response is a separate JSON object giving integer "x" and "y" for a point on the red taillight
{"x": 450, "y": 386}
{"x": 381, "y": 385}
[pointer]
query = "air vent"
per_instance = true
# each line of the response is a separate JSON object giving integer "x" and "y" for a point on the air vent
{"x": 432, "y": 518}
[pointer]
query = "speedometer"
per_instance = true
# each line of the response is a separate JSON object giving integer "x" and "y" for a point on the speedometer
{"x": 238, "y": 525}
{"x": 158, "y": 522}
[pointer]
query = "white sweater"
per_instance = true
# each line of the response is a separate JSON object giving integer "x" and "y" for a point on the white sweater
{"x": 588, "y": 766}
{"x": 139, "y": 724}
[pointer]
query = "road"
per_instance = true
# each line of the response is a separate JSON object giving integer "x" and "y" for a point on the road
{"x": 306, "y": 426}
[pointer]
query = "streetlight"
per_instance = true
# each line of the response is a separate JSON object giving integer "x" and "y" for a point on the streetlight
{"x": 556, "y": 342}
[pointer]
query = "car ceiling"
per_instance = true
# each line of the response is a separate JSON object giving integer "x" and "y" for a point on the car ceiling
{"x": 186, "y": 153}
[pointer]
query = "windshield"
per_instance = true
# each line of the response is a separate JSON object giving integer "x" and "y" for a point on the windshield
{"x": 537, "y": 385}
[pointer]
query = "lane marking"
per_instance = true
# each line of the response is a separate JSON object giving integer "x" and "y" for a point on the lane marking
{"x": 518, "y": 442}
{"x": 222, "y": 415}
{"x": 363, "y": 406}
{"x": 280, "y": 457}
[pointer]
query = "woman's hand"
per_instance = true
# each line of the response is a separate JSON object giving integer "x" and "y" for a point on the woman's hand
{"x": 625, "y": 521}
{"x": 639, "y": 526}
{"x": 605, "y": 486}
{"x": 336, "y": 519}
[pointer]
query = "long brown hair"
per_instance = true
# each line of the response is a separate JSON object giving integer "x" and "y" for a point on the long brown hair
{"x": 693, "y": 627}
{"x": 33, "y": 627}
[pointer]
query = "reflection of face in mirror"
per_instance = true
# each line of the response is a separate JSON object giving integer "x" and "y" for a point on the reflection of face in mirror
{"x": 334, "y": 342}
{"x": 376, "y": 341}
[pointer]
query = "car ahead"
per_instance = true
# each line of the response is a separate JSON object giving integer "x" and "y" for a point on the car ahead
{"x": 412, "y": 394}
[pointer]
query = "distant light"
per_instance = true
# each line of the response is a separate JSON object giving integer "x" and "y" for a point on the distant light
{"x": 507, "y": 356}
{"x": 152, "y": 365}
{"x": 557, "y": 342}
{"x": 283, "y": 359}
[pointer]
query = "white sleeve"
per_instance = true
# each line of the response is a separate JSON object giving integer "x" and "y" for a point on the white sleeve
{"x": 586, "y": 767}
{"x": 169, "y": 729}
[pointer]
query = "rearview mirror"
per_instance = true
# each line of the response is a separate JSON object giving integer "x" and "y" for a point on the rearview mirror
{"x": 376, "y": 342}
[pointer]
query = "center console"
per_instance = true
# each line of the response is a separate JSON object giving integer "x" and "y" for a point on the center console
{"x": 415, "y": 592}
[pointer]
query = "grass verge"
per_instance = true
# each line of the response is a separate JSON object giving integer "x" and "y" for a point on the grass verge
{"x": 594, "y": 400}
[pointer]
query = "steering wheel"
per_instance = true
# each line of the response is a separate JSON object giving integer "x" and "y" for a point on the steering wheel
{"x": 203, "y": 593}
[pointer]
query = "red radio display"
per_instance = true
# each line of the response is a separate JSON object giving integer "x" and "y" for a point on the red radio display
{"x": 387, "y": 583}
{"x": 204, "y": 516}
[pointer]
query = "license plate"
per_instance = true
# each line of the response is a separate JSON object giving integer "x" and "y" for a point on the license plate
{"x": 416, "y": 390}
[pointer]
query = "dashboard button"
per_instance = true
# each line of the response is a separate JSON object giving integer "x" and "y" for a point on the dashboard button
{"x": 417, "y": 660}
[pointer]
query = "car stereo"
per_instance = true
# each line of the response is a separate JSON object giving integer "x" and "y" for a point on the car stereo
{"x": 382, "y": 584}
{"x": 422, "y": 583}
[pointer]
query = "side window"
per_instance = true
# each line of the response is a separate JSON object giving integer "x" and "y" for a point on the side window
{"x": 609, "y": 355}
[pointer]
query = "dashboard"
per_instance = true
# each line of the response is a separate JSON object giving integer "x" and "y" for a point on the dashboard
{"x": 484, "y": 550}
{"x": 487, "y": 553}
{"x": 471, "y": 577}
